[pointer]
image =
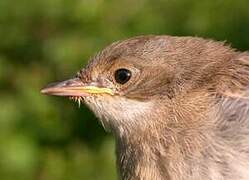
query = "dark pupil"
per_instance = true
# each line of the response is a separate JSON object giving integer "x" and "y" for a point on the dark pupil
{"x": 122, "y": 76}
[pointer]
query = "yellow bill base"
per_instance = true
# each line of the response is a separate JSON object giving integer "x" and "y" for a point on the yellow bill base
{"x": 93, "y": 90}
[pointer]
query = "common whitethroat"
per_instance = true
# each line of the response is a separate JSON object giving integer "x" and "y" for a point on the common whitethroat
{"x": 178, "y": 107}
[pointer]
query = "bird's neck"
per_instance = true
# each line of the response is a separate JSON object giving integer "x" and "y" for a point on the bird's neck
{"x": 137, "y": 159}
{"x": 159, "y": 147}
{"x": 161, "y": 156}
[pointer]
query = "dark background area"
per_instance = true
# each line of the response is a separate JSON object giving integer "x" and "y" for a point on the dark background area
{"x": 50, "y": 138}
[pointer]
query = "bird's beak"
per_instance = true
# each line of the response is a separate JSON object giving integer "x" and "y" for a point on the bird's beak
{"x": 74, "y": 87}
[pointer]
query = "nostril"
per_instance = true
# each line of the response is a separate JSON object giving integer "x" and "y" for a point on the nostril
{"x": 68, "y": 83}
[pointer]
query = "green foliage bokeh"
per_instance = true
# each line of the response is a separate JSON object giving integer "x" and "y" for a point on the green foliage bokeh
{"x": 49, "y": 138}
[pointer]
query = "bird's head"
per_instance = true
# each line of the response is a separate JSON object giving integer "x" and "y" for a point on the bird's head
{"x": 133, "y": 83}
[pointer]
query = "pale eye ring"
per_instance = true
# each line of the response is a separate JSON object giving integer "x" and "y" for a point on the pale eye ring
{"x": 122, "y": 75}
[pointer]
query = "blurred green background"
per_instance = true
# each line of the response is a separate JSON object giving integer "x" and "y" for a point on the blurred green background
{"x": 50, "y": 138}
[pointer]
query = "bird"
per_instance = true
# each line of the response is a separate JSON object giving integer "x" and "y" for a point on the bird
{"x": 178, "y": 107}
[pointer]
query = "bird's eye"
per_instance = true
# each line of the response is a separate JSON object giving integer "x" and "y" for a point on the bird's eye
{"x": 122, "y": 76}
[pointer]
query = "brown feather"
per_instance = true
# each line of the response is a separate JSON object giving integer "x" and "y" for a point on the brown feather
{"x": 184, "y": 114}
